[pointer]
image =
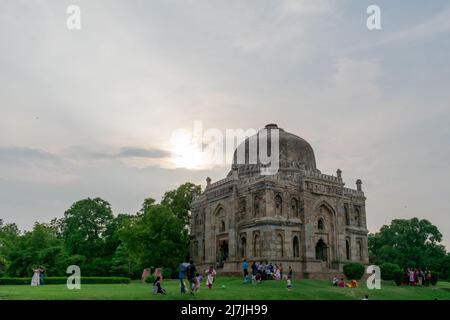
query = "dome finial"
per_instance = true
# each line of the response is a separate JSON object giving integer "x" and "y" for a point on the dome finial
{"x": 358, "y": 185}
{"x": 271, "y": 126}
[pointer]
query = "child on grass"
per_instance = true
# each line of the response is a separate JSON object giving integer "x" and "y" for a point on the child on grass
{"x": 289, "y": 283}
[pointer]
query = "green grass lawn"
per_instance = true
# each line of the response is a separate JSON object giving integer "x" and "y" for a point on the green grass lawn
{"x": 228, "y": 288}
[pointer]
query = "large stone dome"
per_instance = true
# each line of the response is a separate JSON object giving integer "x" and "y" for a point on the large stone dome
{"x": 295, "y": 152}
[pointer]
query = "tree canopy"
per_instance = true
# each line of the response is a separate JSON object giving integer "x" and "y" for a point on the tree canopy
{"x": 407, "y": 243}
{"x": 89, "y": 235}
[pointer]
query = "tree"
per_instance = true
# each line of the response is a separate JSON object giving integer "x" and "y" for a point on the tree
{"x": 9, "y": 234}
{"x": 180, "y": 199}
{"x": 407, "y": 243}
{"x": 84, "y": 226}
{"x": 148, "y": 202}
{"x": 39, "y": 247}
{"x": 155, "y": 239}
{"x": 3, "y": 266}
{"x": 445, "y": 267}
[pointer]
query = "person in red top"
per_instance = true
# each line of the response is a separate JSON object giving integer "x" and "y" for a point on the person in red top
{"x": 341, "y": 283}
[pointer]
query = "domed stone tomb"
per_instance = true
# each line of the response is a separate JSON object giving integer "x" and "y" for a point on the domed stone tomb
{"x": 297, "y": 217}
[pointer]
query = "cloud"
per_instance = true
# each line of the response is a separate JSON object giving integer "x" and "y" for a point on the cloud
{"x": 34, "y": 166}
{"x": 26, "y": 155}
{"x": 434, "y": 26}
{"x": 91, "y": 112}
{"x": 143, "y": 153}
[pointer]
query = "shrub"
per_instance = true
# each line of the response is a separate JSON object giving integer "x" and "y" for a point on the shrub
{"x": 63, "y": 280}
{"x": 434, "y": 278}
{"x": 354, "y": 270}
{"x": 168, "y": 273}
{"x": 150, "y": 279}
{"x": 388, "y": 270}
{"x": 398, "y": 276}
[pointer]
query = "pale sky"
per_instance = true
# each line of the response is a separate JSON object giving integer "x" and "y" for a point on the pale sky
{"x": 90, "y": 112}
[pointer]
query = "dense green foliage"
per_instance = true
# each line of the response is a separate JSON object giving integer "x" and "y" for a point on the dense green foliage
{"x": 398, "y": 276}
{"x": 156, "y": 238}
{"x": 388, "y": 270}
{"x": 410, "y": 243}
{"x": 90, "y": 236}
{"x": 179, "y": 200}
{"x": 354, "y": 270}
{"x": 150, "y": 279}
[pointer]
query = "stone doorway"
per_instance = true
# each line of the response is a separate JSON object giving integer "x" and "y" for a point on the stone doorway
{"x": 222, "y": 252}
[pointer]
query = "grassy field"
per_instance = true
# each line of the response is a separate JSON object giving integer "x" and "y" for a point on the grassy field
{"x": 228, "y": 288}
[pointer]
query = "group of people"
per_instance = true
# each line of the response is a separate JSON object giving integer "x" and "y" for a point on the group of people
{"x": 38, "y": 277}
{"x": 266, "y": 271}
{"x": 417, "y": 277}
{"x": 194, "y": 278}
{"x": 339, "y": 282}
{"x": 188, "y": 271}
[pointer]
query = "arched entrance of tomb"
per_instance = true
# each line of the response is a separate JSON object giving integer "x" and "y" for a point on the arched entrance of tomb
{"x": 222, "y": 252}
{"x": 325, "y": 238}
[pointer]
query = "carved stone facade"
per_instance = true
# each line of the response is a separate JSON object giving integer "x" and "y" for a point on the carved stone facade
{"x": 298, "y": 217}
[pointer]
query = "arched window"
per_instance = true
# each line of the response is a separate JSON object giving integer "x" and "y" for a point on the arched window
{"x": 242, "y": 208}
{"x": 360, "y": 251}
{"x": 357, "y": 217}
{"x": 279, "y": 250}
{"x": 347, "y": 249}
{"x": 294, "y": 207}
{"x": 243, "y": 247}
{"x": 256, "y": 206}
{"x": 222, "y": 226}
{"x": 296, "y": 247}
{"x": 203, "y": 250}
{"x": 321, "y": 250}
{"x": 278, "y": 205}
{"x": 347, "y": 216}
{"x": 320, "y": 224}
{"x": 195, "y": 249}
{"x": 256, "y": 247}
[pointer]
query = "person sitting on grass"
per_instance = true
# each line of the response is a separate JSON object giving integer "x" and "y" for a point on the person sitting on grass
{"x": 157, "y": 289}
{"x": 258, "y": 277}
{"x": 335, "y": 281}
{"x": 353, "y": 284}
{"x": 248, "y": 279}
{"x": 277, "y": 275}
{"x": 341, "y": 283}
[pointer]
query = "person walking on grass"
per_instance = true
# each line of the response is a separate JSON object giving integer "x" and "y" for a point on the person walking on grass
{"x": 181, "y": 275}
{"x": 211, "y": 277}
{"x": 289, "y": 284}
{"x": 254, "y": 270}
{"x": 191, "y": 275}
{"x": 245, "y": 268}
